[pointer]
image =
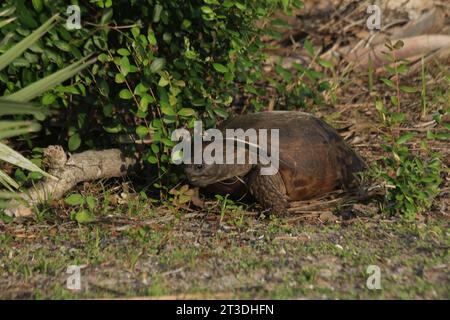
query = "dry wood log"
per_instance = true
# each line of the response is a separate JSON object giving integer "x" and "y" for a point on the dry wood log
{"x": 67, "y": 172}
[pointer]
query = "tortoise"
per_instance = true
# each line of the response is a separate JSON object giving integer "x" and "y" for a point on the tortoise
{"x": 313, "y": 160}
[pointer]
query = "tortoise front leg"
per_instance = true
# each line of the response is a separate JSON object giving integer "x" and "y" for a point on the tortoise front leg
{"x": 269, "y": 191}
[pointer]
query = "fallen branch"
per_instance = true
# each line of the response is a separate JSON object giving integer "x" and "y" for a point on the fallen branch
{"x": 67, "y": 172}
{"x": 413, "y": 46}
{"x": 431, "y": 22}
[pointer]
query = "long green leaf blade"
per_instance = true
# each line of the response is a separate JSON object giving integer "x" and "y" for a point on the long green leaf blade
{"x": 7, "y": 181}
{"x": 14, "y": 52}
{"x": 19, "y": 130}
{"x": 10, "y": 124}
{"x": 6, "y": 205}
{"x": 9, "y": 195}
{"x": 13, "y": 107}
{"x": 7, "y": 21}
{"x": 39, "y": 87}
{"x": 9, "y": 155}
{"x": 7, "y": 11}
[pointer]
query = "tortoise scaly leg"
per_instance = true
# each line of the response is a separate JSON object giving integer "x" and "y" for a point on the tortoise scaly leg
{"x": 269, "y": 191}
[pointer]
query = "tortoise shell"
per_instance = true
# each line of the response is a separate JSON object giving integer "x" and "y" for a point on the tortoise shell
{"x": 314, "y": 159}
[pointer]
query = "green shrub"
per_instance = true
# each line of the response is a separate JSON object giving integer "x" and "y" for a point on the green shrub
{"x": 161, "y": 65}
{"x": 412, "y": 178}
{"x": 17, "y": 103}
{"x": 412, "y": 181}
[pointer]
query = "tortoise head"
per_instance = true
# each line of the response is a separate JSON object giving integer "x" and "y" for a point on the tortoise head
{"x": 202, "y": 175}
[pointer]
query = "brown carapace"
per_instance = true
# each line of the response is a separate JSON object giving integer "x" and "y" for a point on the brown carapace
{"x": 313, "y": 160}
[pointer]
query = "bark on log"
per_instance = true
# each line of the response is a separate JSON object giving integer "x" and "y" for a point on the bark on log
{"x": 68, "y": 172}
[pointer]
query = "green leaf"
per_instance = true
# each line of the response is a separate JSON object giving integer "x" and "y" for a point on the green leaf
{"x": 141, "y": 89}
{"x": 74, "y": 142}
{"x": 405, "y": 138}
{"x": 38, "y": 5}
{"x": 186, "y": 112}
{"x": 152, "y": 159}
{"x": 74, "y": 199}
{"x": 84, "y": 216}
{"x": 186, "y": 23}
{"x": 125, "y": 94}
{"x": 250, "y": 89}
{"x": 91, "y": 202}
{"x": 163, "y": 81}
{"x": 398, "y": 117}
{"x": 394, "y": 100}
{"x": 308, "y": 45}
{"x": 167, "y": 110}
{"x": 48, "y": 99}
{"x": 407, "y": 89}
{"x": 157, "y": 65}
{"x": 141, "y": 131}
{"x": 116, "y": 128}
{"x": 220, "y": 67}
{"x": 62, "y": 45}
{"x": 221, "y": 112}
{"x": 388, "y": 82}
{"x": 107, "y": 16}
{"x": 402, "y": 69}
{"x": 157, "y": 13}
{"x": 442, "y": 136}
{"x": 207, "y": 10}
{"x": 123, "y": 52}
{"x": 298, "y": 4}
{"x": 199, "y": 102}
{"x": 326, "y": 63}
{"x": 145, "y": 101}
{"x": 125, "y": 66}
{"x": 119, "y": 78}
{"x": 151, "y": 38}
{"x": 154, "y": 148}
{"x": 167, "y": 37}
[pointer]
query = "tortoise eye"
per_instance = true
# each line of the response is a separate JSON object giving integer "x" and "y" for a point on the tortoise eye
{"x": 198, "y": 166}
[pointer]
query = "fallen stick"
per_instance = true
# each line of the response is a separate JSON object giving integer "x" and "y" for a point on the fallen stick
{"x": 430, "y": 22}
{"x": 413, "y": 46}
{"x": 67, "y": 172}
